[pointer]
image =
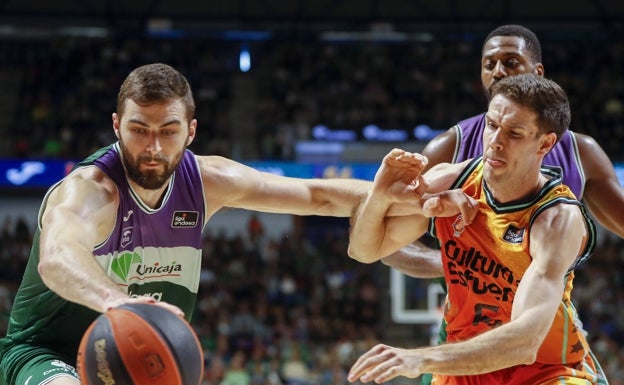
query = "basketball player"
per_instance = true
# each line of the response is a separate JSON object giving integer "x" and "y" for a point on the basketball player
{"x": 511, "y": 50}
{"x": 125, "y": 225}
{"x": 509, "y": 274}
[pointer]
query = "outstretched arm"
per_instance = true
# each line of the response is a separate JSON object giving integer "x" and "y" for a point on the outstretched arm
{"x": 514, "y": 343}
{"x": 228, "y": 183}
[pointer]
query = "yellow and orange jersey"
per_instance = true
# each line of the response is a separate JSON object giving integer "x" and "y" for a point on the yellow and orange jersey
{"x": 485, "y": 261}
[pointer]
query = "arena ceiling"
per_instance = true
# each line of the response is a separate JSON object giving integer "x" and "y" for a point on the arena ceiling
{"x": 604, "y": 16}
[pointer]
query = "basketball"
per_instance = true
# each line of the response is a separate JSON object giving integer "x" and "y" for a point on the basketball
{"x": 140, "y": 344}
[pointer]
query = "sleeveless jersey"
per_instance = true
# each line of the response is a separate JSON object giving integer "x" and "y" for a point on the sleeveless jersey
{"x": 564, "y": 154}
{"x": 484, "y": 263}
{"x": 150, "y": 252}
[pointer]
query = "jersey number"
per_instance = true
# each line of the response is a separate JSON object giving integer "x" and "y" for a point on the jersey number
{"x": 481, "y": 315}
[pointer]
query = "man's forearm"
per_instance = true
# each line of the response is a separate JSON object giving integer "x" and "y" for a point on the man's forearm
{"x": 503, "y": 347}
{"x": 337, "y": 197}
{"x": 416, "y": 260}
{"x": 368, "y": 228}
{"x": 82, "y": 283}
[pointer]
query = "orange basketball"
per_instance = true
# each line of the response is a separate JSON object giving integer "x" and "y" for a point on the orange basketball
{"x": 140, "y": 344}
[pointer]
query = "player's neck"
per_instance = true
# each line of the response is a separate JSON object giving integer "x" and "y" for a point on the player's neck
{"x": 523, "y": 191}
{"x": 151, "y": 198}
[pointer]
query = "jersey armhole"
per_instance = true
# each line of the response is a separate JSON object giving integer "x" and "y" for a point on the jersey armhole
{"x": 458, "y": 141}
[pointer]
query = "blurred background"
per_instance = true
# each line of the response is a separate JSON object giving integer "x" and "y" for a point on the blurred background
{"x": 300, "y": 88}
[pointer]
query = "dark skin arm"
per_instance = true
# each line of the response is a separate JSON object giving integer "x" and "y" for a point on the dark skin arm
{"x": 603, "y": 195}
{"x": 441, "y": 148}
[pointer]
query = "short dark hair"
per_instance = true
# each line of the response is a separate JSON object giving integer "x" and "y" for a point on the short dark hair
{"x": 156, "y": 83}
{"x": 543, "y": 96}
{"x": 515, "y": 30}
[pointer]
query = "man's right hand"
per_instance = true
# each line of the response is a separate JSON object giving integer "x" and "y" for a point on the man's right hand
{"x": 398, "y": 177}
{"x": 143, "y": 299}
{"x": 449, "y": 203}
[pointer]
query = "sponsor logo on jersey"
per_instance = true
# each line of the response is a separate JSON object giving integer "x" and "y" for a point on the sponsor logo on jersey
{"x": 478, "y": 272}
{"x": 130, "y": 266}
{"x": 156, "y": 296}
{"x": 513, "y": 234}
{"x": 126, "y": 236}
{"x": 121, "y": 265}
{"x": 158, "y": 270}
{"x": 126, "y": 218}
{"x": 184, "y": 219}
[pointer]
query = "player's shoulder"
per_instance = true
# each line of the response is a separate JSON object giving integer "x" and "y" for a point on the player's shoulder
{"x": 88, "y": 177}
{"x": 585, "y": 141}
{"x": 220, "y": 172}
{"x": 442, "y": 148}
{"x": 85, "y": 186}
{"x": 471, "y": 122}
{"x": 558, "y": 213}
{"x": 590, "y": 151}
{"x": 216, "y": 164}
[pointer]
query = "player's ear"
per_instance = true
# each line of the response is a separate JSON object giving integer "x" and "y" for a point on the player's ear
{"x": 539, "y": 69}
{"x": 548, "y": 142}
{"x": 192, "y": 132}
{"x": 116, "y": 124}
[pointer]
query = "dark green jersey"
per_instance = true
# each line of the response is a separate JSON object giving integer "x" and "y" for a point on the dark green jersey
{"x": 150, "y": 252}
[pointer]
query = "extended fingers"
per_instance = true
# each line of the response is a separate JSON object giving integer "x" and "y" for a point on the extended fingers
{"x": 450, "y": 203}
{"x": 433, "y": 207}
{"x": 468, "y": 207}
{"x": 365, "y": 362}
{"x": 404, "y": 158}
{"x": 126, "y": 300}
{"x": 379, "y": 364}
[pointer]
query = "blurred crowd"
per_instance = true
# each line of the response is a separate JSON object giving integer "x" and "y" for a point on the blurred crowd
{"x": 297, "y": 311}
{"x": 65, "y": 89}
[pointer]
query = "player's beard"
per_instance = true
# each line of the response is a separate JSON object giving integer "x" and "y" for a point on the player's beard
{"x": 150, "y": 179}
